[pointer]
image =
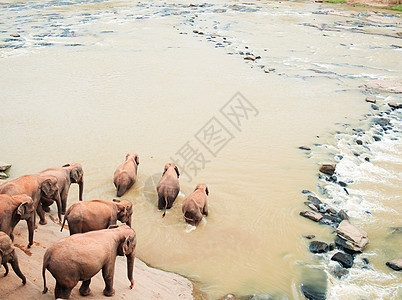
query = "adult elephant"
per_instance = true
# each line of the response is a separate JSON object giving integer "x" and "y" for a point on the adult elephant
{"x": 97, "y": 214}
{"x": 126, "y": 174}
{"x": 66, "y": 175}
{"x": 35, "y": 186}
{"x": 168, "y": 187}
{"x": 79, "y": 257}
{"x": 16, "y": 208}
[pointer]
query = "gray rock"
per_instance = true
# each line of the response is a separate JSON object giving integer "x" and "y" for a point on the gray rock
{"x": 351, "y": 237}
{"x": 312, "y": 215}
{"x": 4, "y": 166}
{"x": 3, "y": 175}
{"x": 395, "y": 264}
{"x": 318, "y": 247}
{"x": 328, "y": 168}
{"x": 346, "y": 260}
{"x": 250, "y": 57}
{"x": 314, "y": 284}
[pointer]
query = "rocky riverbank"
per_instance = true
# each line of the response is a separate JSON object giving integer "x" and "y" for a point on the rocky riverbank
{"x": 355, "y": 145}
{"x": 150, "y": 283}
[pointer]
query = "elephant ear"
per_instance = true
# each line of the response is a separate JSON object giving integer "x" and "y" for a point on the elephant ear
{"x": 121, "y": 209}
{"x": 126, "y": 245}
{"x": 75, "y": 174}
{"x": 137, "y": 160}
{"x": 206, "y": 190}
{"x": 177, "y": 171}
{"x": 22, "y": 208}
{"x": 46, "y": 187}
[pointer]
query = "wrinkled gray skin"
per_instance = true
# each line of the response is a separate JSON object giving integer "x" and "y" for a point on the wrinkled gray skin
{"x": 168, "y": 187}
{"x": 34, "y": 186}
{"x": 66, "y": 175}
{"x": 16, "y": 208}
{"x": 8, "y": 255}
{"x": 97, "y": 214}
{"x": 126, "y": 174}
{"x": 196, "y": 205}
{"x": 79, "y": 257}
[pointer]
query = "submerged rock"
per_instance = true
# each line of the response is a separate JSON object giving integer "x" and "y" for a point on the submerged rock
{"x": 312, "y": 215}
{"x": 318, "y": 247}
{"x": 4, "y": 166}
{"x": 340, "y": 272}
{"x": 346, "y": 260}
{"x": 305, "y": 148}
{"x": 314, "y": 284}
{"x": 351, "y": 237}
{"x": 328, "y": 168}
{"x": 250, "y": 57}
{"x": 395, "y": 264}
{"x": 343, "y": 215}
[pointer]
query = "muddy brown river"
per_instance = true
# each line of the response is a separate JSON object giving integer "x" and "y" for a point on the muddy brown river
{"x": 90, "y": 81}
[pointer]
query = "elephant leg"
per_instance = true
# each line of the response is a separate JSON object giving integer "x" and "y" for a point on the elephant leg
{"x": 41, "y": 214}
{"x": 205, "y": 210}
{"x": 5, "y": 267}
{"x": 12, "y": 236}
{"x": 16, "y": 268}
{"x": 45, "y": 207}
{"x": 62, "y": 291}
{"x": 84, "y": 289}
{"x": 161, "y": 202}
{"x": 108, "y": 274}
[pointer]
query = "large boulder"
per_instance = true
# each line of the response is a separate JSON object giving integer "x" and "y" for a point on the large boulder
{"x": 4, "y": 166}
{"x": 395, "y": 264}
{"x": 328, "y": 168}
{"x": 351, "y": 237}
{"x": 314, "y": 284}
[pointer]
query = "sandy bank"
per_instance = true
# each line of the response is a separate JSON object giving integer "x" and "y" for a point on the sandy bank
{"x": 150, "y": 283}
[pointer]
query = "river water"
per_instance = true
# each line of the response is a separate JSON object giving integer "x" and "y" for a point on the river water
{"x": 90, "y": 81}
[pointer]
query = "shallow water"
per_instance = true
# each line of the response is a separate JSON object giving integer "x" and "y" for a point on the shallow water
{"x": 89, "y": 81}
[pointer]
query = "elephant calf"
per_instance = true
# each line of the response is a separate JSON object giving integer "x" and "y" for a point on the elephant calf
{"x": 97, "y": 214}
{"x": 126, "y": 174}
{"x": 195, "y": 205}
{"x": 8, "y": 255}
{"x": 81, "y": 256}
{"x": 16, "y": 208}
{"x": 168, "y": 187}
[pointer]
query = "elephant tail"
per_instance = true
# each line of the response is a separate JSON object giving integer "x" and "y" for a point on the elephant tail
{"x": 44, "y": 267}
{"x": 166, "y": 203}
{"x": 64, "y": 222}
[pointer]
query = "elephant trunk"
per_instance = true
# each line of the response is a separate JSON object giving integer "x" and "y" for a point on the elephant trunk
{"x": 16, "y": 268}
{"x": 31, "y": 227}
{"x": 130, "y": 267}
{"x": 81, "y": 188}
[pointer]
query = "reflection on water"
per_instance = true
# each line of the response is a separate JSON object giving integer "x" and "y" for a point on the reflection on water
{"x": 89, "y": 81}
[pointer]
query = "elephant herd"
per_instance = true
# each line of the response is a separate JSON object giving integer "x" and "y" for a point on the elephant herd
{"x": 95, "y": 240}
